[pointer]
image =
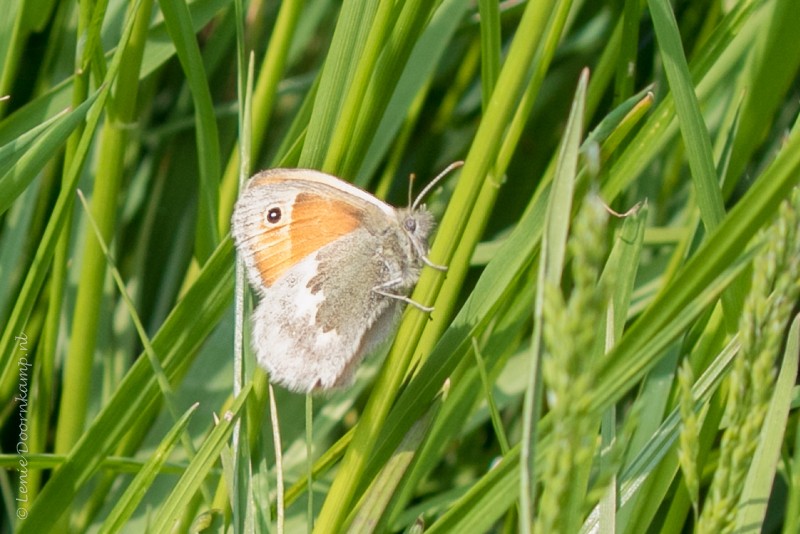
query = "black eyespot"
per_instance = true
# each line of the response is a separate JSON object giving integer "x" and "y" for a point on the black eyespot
{"x": 411, "y": 224}
{"x": 274, "y": 215}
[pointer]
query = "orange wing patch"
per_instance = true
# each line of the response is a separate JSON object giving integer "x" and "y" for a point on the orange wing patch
{"x": 273, "y": 253}
{"x": 315, "y": 221}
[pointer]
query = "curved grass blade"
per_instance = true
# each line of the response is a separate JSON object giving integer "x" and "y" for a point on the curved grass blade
{"x": 127, "y": 504}
{"x": 190, "y": 322}
{"x": 201, "y": 465}
{"x": 179, "y": 23}
{"x": 36, "y": 154}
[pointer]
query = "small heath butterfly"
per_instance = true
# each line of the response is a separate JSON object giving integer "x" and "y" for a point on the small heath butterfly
{"x": 332, "y": 266}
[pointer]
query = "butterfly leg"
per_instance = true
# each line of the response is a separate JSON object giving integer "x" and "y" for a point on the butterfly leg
{"x": 423, "y": 256}
{"x": 432, "y": 265}
{"x": 381, "y": 290}
{"x": 420, "y": 307}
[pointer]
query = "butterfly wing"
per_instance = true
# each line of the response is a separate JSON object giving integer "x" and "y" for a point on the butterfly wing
{"x": 314, "y": 263}
{"x": 314, "y": 325}
{"x": 284, "y": 215}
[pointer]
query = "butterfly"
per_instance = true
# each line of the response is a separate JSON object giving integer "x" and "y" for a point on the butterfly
{"x": 332, "y": 266}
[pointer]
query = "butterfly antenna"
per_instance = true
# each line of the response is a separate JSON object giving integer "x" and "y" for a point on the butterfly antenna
{"x": 432, "y": 184}
{"x": 411, "y": 178}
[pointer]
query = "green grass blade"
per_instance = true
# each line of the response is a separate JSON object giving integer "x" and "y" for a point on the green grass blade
{"x": 723, "y": 51}
{"x": 46, "y": 248}
{"x": 13, "y": 32}
{"x": 346, "y": 49}
{"x": 485, "y": 501}
{"x": 343, "y": 134}
{"x": 624, "y": 77}
{"x": 199, "y": 468}
{"x": 31, "y": 156}
{"x": 407, "y": 27}
{"x": 127, "y": 504}
{"x": 771, "y": 72}
{"x": 421, "y": 66}
{"x": 551, "y": 265}
{"x": 370, "y": 511}
{"x": 88, "y": 307}
{"x": 693, "y": 128}
{"x": 793, "y": 500}
{"x": 179, "y": 23}
{"x": 160, "y": 49}
{"x": 720, "y": 250}
{"x": 490, "y": 47}
{"x": 177, "y": 340}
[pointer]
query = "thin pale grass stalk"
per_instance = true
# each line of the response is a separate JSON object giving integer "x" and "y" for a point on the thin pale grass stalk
{"x": 271, "y": 71}
{"x": 569, "y": 332}
{"x": 793, "y": 501}
{"x": 497, "y": 422}
{"x": 310, "y": 461}
{"x": 607, "y": 508}
{"x": 238, "y": 364}
{"x": 158, "y": 370}
{"x": 776, "y": 284}
{"x": 241, "y": 490}
{"x": 606, "y": 480}
{"x": 276, "y": 437}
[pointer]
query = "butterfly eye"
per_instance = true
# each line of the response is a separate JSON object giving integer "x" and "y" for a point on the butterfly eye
{"x": 411, "y": 224}
{"x": 273, "y": 215}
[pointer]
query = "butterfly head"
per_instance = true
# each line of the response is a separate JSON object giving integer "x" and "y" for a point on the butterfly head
{"x": 417, "y": 224}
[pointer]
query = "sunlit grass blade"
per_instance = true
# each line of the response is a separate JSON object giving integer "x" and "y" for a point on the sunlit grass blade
{"x": 179, "y": 24}
{"x": 113, "y": 140}
{"x": 346, "y": 48}
{"x": 198, "y": 469}
{"x": 430, "y": 48}
{"x": 177, "y": 340}
{"x": 485, "y": 500}
{"x": 31, "y": 156}
{"x": 44, "y": 253}
{"x": 136, "y": 489}
{"x": 693, "y": 128}
{"x": 369, "y": 515}
{"x": 551, "y": 263}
